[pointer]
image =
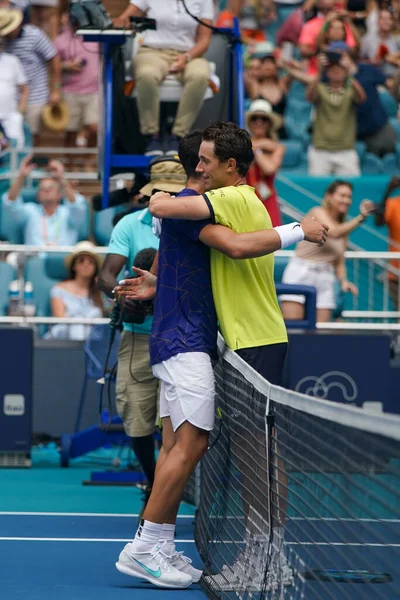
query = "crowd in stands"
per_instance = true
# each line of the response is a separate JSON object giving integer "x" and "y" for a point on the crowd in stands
{"x": 318, "y": 73}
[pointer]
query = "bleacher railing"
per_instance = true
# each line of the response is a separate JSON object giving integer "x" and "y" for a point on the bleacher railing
{"x": 12, "y": 158}
{"x": 366, "y": 269}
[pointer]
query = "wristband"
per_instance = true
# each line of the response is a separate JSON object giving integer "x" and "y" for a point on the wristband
{"x": 290, "y": 234}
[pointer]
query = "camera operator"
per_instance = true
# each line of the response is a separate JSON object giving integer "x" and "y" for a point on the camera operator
{"x": 137, "y": 388}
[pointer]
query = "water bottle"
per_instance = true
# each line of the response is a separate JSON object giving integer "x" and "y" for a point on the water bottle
{"x": 29, "y": 304}
{"x": 14, "y": 299}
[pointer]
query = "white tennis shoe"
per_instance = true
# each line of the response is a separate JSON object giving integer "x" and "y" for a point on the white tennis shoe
{"x": 154, "y": 566}
{"x": 184, "y": 565}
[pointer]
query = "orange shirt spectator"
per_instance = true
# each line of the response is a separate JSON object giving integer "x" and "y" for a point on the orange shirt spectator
{"x": 392, "y": 219}
{"x": 311, "y": 30}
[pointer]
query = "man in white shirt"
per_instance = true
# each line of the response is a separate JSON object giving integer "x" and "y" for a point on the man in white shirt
{"x": 50, "y": 222}
{"x": 176, "y": 47}
{"x": 13, "y": 85}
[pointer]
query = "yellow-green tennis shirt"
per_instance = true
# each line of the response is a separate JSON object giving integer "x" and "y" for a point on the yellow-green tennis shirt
{"x": 244, "y": 290}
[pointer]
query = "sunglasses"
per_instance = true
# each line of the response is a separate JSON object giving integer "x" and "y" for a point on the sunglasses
{"x": 261, "y": 118}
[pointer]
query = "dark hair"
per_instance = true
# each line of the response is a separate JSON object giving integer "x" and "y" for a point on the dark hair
{"x": 94, "y": 292}
{"x": 332, "y": 187}
{"x": 231, "y": 141}
{"x": 189, "y": 152}
{"x": 144, "y": 258}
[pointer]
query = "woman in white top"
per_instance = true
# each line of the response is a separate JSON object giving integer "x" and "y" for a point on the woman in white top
{"x": 321, "y": 266}
{"x": 176, "y": 47}
{"x": 78, "y": 296}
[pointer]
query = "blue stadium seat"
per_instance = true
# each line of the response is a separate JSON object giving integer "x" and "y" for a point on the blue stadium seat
{"x": 44, "y": 272}
{"x": 103, "y": 225}
{"x": 7, "y": 274}
{"x": 390, "y": 164}
{"x": 15, "y": 233}
{"x": 361, "y": 149}
{"x": 293, "y": 154}
{"x": 280, "y": 266}
{"x": 395, "y": 123}
{"x": 389, "y": 103}
{"x": 371, "y": 164}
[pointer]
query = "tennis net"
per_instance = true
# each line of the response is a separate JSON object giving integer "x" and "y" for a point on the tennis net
{"x": 299, "y": 497}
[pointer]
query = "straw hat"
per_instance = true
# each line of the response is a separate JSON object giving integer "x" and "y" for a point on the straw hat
{"x": 10, "y": 20}
{"x": 55, "y": 116}
{"x": 167, "y": 175}
{"x": 264, "y": 108}
{"x": 85, "y": 248}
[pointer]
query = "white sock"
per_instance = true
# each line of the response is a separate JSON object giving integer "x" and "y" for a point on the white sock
{"x": 168, "y": 536}
{"x": 146, "y": 537}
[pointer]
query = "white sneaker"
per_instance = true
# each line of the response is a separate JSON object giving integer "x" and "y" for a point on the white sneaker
{"x": 184, "y": 565}
{"x": 153, "y": 566}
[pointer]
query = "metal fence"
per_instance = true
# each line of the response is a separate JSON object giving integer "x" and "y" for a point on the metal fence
{"x": 370, "y": 271}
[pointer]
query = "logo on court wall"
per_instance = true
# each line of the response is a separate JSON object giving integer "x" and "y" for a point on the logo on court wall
{"x": 320, "y": 387}
{"x": 14, "y": 405}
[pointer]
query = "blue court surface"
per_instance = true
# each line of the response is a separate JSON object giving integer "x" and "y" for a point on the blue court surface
{"x": 67, "y": 556}
{"x": 71, "y": 556}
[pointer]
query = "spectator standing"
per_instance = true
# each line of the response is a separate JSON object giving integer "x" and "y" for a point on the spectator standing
{"x": 335, "y": 29}
{"x": 79, "y": 295}
{"x": 373, "y": 126}
{"x": 14, "y": 94}
{"x": 382, "y": 49}
{"x": 177, "y": 47}
{"x": 48, "y": 223}
{"x": 265, "y": 83}
{"x": 36, "y": 53}
{"x": 80, "y": 63}
{"x": 311, "y": 29}
{"x": 262, "y": 123}
{"x": 44, "y": 14}
{"x": 334, "y": 128}
{"x": 321, "y": 266}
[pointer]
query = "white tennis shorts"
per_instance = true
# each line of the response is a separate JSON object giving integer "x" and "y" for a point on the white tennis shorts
{"x": 187, "y": 389}
{"x": 317, "y": 274}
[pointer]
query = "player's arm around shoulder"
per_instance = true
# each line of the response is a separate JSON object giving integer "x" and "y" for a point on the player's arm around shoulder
{"x": 165, "y": 206}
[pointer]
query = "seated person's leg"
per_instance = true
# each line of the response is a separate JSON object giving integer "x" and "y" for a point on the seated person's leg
{"x": 195, "y": 81}
{"x": 151, "y": 66}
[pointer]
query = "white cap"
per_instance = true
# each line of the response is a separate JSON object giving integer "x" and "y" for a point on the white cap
{"x": 28, "y": 286}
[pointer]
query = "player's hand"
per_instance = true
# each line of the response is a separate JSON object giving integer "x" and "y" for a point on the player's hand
{"x": 314, "y": 231}
{"x": 347, "y": 286}
{"x": 142, "y": 287}
{"x": 163, "y": 196}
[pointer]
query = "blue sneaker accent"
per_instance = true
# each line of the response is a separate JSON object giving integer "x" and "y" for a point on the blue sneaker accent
{"x": 156, "y": 574}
